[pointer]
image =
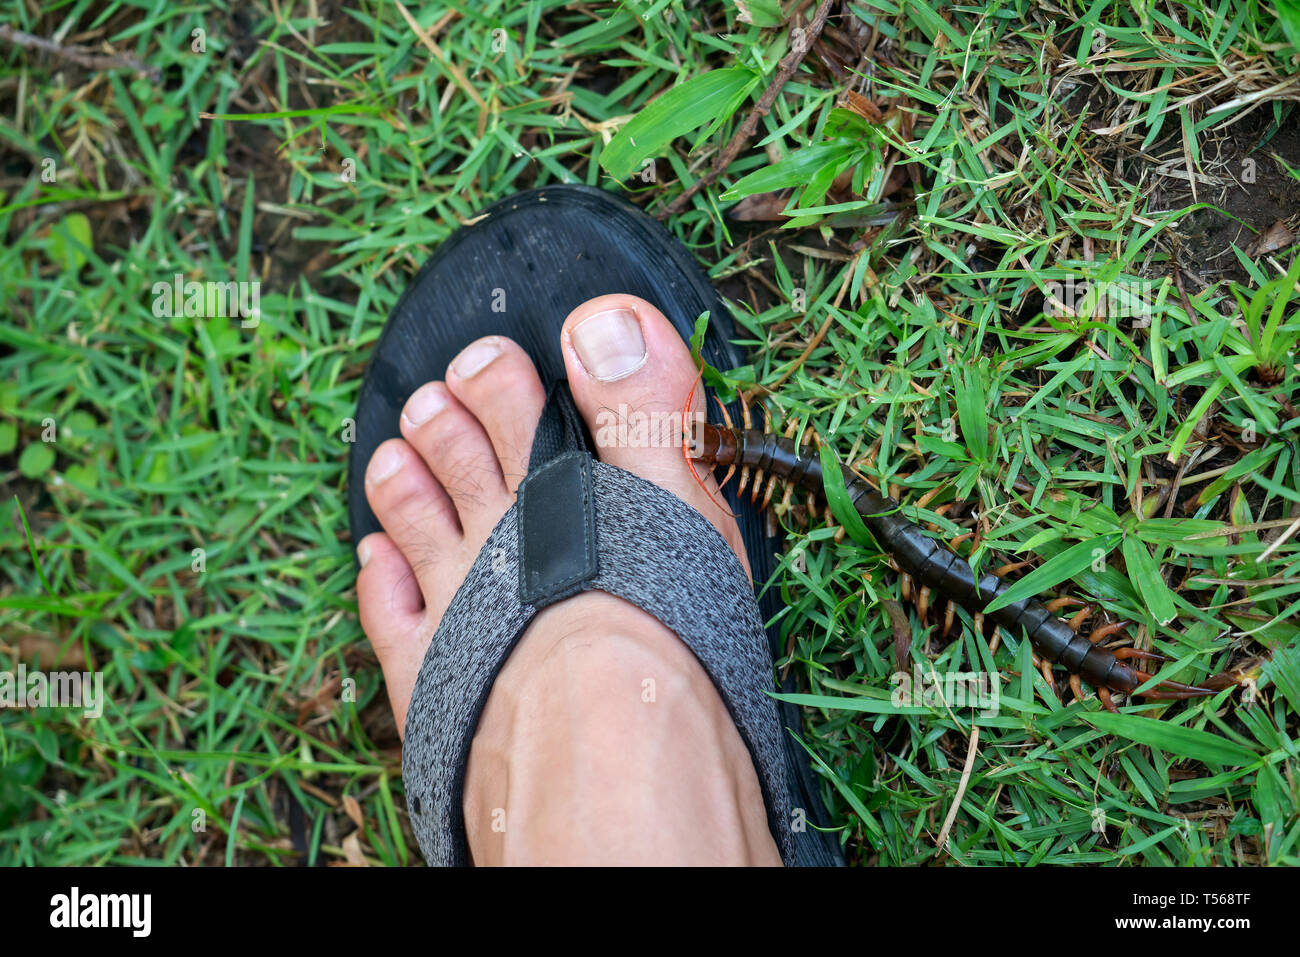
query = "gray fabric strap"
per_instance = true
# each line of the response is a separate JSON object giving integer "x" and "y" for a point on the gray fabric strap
{"x": 656, "y": 552}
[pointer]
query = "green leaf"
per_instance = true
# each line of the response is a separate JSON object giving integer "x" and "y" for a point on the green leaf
{"x": 82, "y": 475}
{"x": 697, "y": 336}
{"x": 47, "y": 742}
{"x": 1055, "y": 570}
{"x": 1174, "y": 739}
{"x": 1285, "y": 289}
{"x": 1093, "y": 517}
{"x": 761, "y": 13}
{"x": 845, "y": 791}
{"x": 794, "y": 170}
{"x": 36, "y": 460}
{"x": 78, "y": 427}
{"x": 1244, "y": 825}
{"x": 68, "y": 239}
{"x": 1185, "y": 430}
{"x": 1288, "y": 14}
{"x": 1178, "y": 533}
{"x": 1144, "y": 572}
{"x": 693, "y": 104}
{"x": 837, "y": 497}
{"x": 712, "y": 377}
{"x": 972, "y": 412}
{"x": 1284, "y": 669}
{"x": 1244, "y": 466}
{"x": 1272, "y": 799}
{"x": 860, "y": 703}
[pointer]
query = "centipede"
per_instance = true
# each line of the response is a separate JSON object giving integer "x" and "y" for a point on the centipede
{"x": 766, "y": 459}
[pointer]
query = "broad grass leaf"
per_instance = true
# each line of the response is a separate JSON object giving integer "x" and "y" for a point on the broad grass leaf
{"x": 1055, "y": 570}
{"x": 1174, "y": 739}
{"x": 695, "y": 103}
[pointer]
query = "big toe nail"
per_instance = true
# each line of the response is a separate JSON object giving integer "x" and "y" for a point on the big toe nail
{"x": 609, "y": 344}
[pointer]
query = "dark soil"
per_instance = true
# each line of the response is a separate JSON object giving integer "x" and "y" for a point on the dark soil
{"x": 1254, "y": 192}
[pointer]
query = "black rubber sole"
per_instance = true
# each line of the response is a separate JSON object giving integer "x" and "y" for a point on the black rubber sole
{"x": 524, "y": 264}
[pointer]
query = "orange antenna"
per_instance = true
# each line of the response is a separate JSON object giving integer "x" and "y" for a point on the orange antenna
{"x": 686, "y": 444}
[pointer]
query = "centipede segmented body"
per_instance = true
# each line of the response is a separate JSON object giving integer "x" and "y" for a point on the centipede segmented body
{"x": 938, "y": 569}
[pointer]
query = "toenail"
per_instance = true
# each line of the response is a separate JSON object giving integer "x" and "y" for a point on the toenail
{"x": 609, "y": 344}
{"x": 384, "y": 464}
{"x": 475, "y": 356}
{"x": 363, "y": 552}
{"x": 427, "y": 402}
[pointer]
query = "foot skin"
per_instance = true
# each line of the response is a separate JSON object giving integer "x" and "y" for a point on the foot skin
{"x": 603, "y": 740}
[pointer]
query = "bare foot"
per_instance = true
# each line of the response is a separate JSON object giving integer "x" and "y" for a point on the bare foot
{"x": 568, "y": 764}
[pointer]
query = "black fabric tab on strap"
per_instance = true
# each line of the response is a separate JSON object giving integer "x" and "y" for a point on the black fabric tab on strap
{"x": 556, "y": 519}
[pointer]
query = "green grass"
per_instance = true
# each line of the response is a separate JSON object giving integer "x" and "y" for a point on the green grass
{"x": 246, "y": 712}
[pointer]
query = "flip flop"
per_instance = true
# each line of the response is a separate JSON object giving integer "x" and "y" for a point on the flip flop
{"x": 577, "y": 524}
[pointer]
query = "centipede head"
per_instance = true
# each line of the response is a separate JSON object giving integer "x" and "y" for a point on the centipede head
{"x": 1128, "y": 680}
{"x": 695, "y": 436}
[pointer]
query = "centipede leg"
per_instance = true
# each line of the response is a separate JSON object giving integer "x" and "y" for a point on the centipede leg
{"x": 726, "y": 418}
{"x": 996, "y": 641}
{"x": 767, "y": 495}
{"x": 1105, "y": 631}
{"x": 1107, "y": 700}
{"x": 1123, "y": 654}
{"x": 784, "y": 505}
{"x": 941, "y": 510}
{"x": 748, "y": 422}
{"x": 1077, "y": 687}
{"x": 950, "y": 611}
{"x": 731, "y": 470}
{"x": 1045, "y": 669}
{"x": 756, "y": 479}
{"x": 1065, "y": 601}
{"x": 726, "y": 415}
{"x": 1080, "y": 617}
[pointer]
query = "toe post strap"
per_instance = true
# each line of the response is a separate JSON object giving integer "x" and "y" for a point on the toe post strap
{"x": 556, "y": 509}
{"x": 556, "y": 524}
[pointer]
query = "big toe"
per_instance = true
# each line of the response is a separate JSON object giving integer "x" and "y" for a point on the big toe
{"x": 631, "y": 373}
